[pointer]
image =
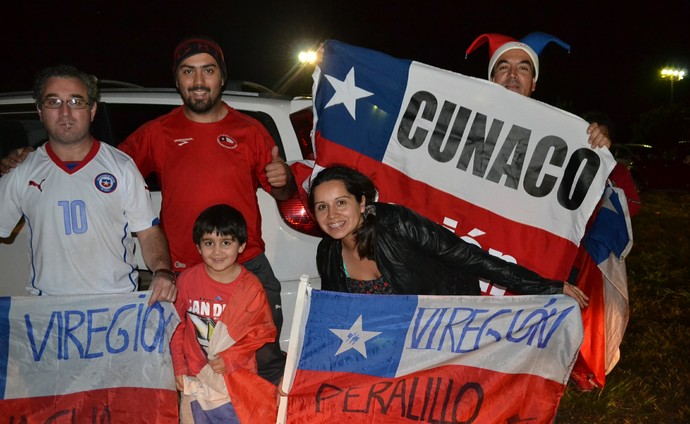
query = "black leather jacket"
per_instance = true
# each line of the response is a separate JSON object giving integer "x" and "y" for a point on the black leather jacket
{"x": 417, "y": 256}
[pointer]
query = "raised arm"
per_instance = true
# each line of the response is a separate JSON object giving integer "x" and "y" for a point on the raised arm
{"x": 468, "y": 258}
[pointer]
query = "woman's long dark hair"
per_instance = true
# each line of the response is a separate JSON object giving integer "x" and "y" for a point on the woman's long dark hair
{"x": 358, "y": 185}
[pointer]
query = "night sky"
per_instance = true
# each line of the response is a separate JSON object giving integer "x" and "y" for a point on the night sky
{"x": 614, "y": 63}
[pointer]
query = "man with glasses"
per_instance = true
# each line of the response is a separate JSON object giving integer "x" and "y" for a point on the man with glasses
{"x": 81, "y": 200}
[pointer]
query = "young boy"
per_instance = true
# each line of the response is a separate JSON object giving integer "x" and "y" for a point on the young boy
{"x": 218, "y": 290}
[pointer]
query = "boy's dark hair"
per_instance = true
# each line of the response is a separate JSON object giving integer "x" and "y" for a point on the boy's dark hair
{"x": 223, "y": 220}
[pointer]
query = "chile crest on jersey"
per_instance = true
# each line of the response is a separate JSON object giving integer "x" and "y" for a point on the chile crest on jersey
{"x": 106, "y": 182}
{"x": 226, "y": 141}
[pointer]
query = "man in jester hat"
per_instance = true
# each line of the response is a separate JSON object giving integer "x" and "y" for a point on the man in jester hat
{"x": 514, "y": 64}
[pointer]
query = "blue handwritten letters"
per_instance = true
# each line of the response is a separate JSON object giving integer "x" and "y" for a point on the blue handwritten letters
{"x": 91, "y": 333}
{"x": 57, "y": 345}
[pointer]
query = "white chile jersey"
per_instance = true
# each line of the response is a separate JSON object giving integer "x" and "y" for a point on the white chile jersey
{"x": 79, "y": 221}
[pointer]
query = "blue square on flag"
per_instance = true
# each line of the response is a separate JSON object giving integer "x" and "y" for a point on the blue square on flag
{"x": 360, "y": 97}
{"x": 609, "y": 232}
{"x": 358, "y": 333}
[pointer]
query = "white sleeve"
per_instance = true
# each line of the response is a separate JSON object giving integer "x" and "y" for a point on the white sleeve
{"x": 10, "y": 206}
{"x": 138, "y": 209}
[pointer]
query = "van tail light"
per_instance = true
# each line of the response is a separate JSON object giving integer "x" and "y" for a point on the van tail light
{"x": 295, "y": 214}
{"x": 293, "y": 210}
{"x": 302, "y": 123}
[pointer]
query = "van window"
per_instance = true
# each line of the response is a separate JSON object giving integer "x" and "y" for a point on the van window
{"x": 114, "y": 122}
{"x": 26, "y": 116}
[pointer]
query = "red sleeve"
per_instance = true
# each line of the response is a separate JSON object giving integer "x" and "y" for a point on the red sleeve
{"x": 138, "y": 147}
{"x": 263, "y": 143}
{"x": 249, "y": 322}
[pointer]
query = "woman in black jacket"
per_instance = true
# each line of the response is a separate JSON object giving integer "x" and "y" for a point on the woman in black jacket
{"x": 383, "y": 248}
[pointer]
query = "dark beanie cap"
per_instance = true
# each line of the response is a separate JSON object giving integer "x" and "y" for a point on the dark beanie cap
{"x": 195, "y": 45}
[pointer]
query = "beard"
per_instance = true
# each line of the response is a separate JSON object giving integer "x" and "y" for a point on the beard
{"x": 201, "y": 105}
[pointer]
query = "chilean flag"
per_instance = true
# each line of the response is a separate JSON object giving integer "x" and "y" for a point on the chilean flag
{"x": 506, "y": 172}
{"x": 78, "y": 359}
{"x": 602, "y": 275}
{"x": 394, "y": 359}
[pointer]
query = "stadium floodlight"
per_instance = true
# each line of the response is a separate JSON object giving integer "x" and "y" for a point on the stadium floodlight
{"x": 672, "y": 75}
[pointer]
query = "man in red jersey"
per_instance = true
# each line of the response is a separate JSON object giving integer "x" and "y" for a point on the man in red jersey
{"x": 205, "y": 153}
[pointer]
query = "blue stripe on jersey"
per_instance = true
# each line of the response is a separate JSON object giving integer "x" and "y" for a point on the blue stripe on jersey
{"x": 132, "y": 270}
{"x": 32, "y": 255}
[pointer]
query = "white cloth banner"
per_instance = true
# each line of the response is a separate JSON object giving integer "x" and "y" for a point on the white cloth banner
{"x": 106, "y": 352}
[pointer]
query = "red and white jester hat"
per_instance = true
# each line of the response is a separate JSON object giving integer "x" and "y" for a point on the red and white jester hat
{"x": 533, "y": 44}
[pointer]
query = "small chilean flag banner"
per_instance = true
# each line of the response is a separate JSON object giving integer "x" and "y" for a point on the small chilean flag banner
{"x": 444, "y": 359}
{"x": 78, "y": 359}
{"x": 506, "y": 172}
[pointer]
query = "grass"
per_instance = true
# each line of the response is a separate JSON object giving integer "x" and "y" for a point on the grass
{"x": 651, "y": 383}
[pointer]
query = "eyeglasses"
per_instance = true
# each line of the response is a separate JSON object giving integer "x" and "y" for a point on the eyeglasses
{"x": 73, "y": 103}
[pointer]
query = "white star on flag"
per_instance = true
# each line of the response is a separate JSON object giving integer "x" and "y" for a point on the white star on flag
{"x": 608, "y": 204}
{"x": 354, "y": 338}
{"x": 346, "y": 92}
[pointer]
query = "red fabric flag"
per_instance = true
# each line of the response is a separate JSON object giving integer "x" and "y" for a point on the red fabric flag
{"x": 248, "y": 321}
{"x": 245, "y": 325}
{"x": 590, "y": 367}
{"x": 442, "y": 359}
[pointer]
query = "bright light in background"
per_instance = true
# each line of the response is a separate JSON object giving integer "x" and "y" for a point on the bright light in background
{"x": 301, "y": 69}
{"x": 307, "y": 57}
{"x": 673, "y": 74}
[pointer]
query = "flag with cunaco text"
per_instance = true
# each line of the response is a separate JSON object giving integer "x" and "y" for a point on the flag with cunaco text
{"x": 503, "y": 171}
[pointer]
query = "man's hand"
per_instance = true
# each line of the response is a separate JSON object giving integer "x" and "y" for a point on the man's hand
{"x": 15, "y": 157}
{"x": 277, "y": 171}
{"x": 597, "y": 138}
{"x": 162, "y": 288}
{"x": 154, "y": 249}
{"x": 279, "y": 176}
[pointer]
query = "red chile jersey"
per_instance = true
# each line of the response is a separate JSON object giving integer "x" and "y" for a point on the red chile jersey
{"x": 200, "y": 302}
{"x": 79, "y": 220}
{"x": 201, "y": 165}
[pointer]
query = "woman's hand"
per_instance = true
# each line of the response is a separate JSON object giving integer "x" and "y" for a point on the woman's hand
{"x": 576, "y": 293}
